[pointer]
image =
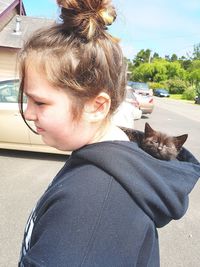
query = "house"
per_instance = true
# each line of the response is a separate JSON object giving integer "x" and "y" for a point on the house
{"x": 15, "y": 27}
{"x": 8, "y": 9}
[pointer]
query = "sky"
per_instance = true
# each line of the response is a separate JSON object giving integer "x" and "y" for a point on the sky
{"x": 163, "y": 26}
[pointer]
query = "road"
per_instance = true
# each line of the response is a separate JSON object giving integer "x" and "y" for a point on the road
{"x": 24, "y": 176}
{"x": 175, "y": 118}
{"x": 179, "y": 240}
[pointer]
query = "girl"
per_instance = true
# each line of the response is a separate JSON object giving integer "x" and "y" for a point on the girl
{"x": 103, "y": 207}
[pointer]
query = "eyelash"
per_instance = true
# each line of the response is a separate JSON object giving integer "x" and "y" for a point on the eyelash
{"x": 39, "y": 103}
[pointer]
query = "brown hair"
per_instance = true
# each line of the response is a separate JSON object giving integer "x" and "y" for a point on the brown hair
{"x": 78, "y": 54}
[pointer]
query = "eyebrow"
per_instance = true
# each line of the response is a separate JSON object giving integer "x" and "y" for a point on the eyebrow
{"x": 34, "y": 96}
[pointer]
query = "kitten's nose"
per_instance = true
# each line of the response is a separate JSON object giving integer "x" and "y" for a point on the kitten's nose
{"x": 160, "y": 148}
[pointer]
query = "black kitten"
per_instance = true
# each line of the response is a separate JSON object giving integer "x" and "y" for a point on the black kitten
{"x": 157, "y": 144}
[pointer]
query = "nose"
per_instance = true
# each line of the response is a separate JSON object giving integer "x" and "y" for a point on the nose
{"x": 29, "y": 113}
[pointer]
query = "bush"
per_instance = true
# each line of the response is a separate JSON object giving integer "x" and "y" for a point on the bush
{"x": 176, "y": 86}
{"x": 154, "y": 85}
{"x": 189, "y": 93}
{"x": 198, "y": 89}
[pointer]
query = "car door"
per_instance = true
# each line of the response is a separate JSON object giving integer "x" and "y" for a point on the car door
{"x": 12, "y": 128}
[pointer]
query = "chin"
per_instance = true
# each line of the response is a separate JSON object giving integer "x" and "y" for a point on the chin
{"x": 49, "y": 142}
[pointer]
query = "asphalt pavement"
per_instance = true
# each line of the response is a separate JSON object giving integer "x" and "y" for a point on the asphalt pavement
{"x": 179, "y": 240}
{"x": 25, "y": 175}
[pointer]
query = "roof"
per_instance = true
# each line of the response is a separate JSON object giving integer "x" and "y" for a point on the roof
{"x": 15, "y": 33}
{"x": 6, "y": 6}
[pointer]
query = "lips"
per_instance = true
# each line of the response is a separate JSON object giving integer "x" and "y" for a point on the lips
{"x": 39, "y": 130}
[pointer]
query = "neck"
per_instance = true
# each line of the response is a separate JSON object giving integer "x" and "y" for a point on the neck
{"x": 110, "y": 133}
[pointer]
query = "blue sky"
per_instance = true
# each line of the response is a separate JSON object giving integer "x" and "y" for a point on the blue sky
{"x": 163, "y": 26}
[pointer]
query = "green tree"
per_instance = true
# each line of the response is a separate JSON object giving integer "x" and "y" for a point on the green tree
{"x": 176, "y": 86}
{"x": 174, "y": 57}
{"x": 174, "y": 70}
{"x": 157, "y": 71}
{"x": 185, "y": 62}
{"x": 167, "y": 57}
{"x": 142, "y": 73}
{"x": 142, "y": 56}
{"x": 160, "y": 70}
{"x": 196, "y": 52}
{"x": 156, "y": 56}
{"x": 194, "y": 72}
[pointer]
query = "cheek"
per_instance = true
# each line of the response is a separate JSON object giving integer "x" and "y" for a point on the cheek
{"x": 59, "y": 124}
{"x": 56, "y": 117}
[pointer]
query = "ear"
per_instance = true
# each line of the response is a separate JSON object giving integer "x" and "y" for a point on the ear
{"x": 98, "y": 108}
{"x": 148, "y": 131}
{"x": 180, "y": 140}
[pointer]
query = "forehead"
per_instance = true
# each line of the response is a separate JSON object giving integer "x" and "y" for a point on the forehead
{"x": 33, "y": 80}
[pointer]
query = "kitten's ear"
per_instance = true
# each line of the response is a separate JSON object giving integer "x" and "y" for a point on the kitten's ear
{"x": 148, "y": 131}
{"x": 180, "y": 140}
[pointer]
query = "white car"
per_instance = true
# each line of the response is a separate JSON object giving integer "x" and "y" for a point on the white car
{"x": 146, "y": 103}
{"x": 14, "y": 134}
{"x": 131, "y": 98}
{"x": 128, "y": 111}
{"x": 124, "y": 116}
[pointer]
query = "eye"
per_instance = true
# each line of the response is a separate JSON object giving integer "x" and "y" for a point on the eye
{"x": 39, "y": 103}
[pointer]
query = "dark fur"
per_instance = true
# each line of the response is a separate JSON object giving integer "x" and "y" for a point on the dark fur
{"x": 157, "y": 144}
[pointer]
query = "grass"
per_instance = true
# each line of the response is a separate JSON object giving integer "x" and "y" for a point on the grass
{"x": 179, "y": 97}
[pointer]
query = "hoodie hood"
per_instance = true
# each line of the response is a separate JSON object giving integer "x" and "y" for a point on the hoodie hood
{"x": 160, "y": 188}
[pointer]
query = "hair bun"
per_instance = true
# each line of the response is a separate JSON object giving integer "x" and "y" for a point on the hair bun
{"x": 88, "y": 18}
{"x": 108, "y": 15}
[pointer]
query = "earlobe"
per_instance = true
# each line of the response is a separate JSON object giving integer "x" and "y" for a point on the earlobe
{"x": 98, "y": 108}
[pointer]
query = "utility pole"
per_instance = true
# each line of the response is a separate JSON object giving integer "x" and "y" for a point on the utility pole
{"x": 149, "y": 61}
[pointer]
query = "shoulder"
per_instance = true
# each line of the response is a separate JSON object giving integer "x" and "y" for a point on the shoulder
{"x": 75, "y": 186}
{"x": 88, "y": 215}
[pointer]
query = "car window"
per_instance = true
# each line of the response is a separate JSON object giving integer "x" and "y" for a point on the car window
{"x": 9, "y": 91}
{"x": 130, "y": 94}
{"x": 138, "y": 85}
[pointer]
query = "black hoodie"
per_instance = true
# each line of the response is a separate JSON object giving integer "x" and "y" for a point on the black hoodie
{"x": 103, "y": 208}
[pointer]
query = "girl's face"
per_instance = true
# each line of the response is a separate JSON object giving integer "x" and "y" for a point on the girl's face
{"x": 50, "y": 110}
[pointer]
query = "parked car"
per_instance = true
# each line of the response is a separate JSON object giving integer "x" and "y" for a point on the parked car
{"x": 140, "y": 88}
{"x": 131, "y": 98}
{"x": 146, "y": 103}
{"x": 14, "y": 134}
{"x": 128, "y": 111}
{"x": 124, "y": 115}
{"x": 161, "y": 92}
{"x": 197, "y": 100}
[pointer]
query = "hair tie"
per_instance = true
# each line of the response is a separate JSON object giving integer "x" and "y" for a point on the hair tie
{"x": 107, "y": 18}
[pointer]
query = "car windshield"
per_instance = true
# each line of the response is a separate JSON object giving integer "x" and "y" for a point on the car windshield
{"x": 9, "y": 91}
{"x": 138, "y": 85}
{"x": 163, "y": 90}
